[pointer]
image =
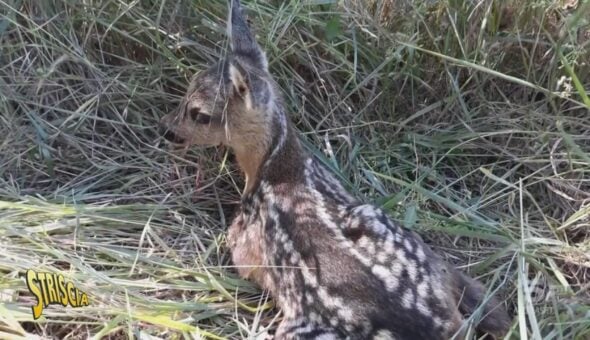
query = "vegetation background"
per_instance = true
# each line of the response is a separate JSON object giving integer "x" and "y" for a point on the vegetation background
{"x": 468, "y": 121}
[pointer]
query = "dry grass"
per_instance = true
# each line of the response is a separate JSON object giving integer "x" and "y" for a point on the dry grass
{"x": 467, "y": 120}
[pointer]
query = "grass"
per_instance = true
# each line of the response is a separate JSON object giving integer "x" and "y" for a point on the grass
{"x": 469, "y": 121}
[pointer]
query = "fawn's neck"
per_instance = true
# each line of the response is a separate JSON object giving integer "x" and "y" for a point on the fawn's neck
{"x": 279, "y": 160}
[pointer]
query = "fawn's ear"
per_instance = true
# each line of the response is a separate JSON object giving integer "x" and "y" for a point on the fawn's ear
{"x": 241, "y": 82}
{"x": 242, "y": 42}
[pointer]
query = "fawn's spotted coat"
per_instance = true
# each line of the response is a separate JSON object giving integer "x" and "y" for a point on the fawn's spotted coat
{"x": 337, "y": 268}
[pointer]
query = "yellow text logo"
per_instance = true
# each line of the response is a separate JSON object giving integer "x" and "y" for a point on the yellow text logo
{"x": 51, "y": 288}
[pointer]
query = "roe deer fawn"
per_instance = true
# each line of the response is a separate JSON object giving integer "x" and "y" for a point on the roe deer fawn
{"x": 337, "y": 268}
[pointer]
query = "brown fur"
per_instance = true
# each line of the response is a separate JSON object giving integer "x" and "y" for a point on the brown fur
{"x": 248, "y": 255}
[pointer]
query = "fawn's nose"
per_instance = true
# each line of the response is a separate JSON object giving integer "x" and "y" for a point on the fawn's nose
{"x": 169, "y": 135}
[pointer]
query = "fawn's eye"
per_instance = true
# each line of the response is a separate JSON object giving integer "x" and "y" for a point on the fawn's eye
{"x": 199, "y": 117}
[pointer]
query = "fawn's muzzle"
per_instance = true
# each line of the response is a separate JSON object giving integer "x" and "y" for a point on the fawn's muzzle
{"x": 170, "y": 135}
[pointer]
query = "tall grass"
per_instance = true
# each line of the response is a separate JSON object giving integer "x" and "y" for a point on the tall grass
{"x": 469, "y": 121}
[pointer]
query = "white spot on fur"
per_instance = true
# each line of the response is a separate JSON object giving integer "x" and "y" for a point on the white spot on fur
{"x": 382, "y": 257}
{"x": 388, "y": 246}
{"x": 355, "y": 223}
{"x": 386, "y": 276}
{"x": 422, "y": 289}
{"x": 383, "y": 334}
{"x": 420, "y": 254}
{"x": 408, "y": 245}
{"x": 412, "y": 270}
{"x": 438, "y": 292}
{"x": 367, "y": 244}
{"x": 408, "y": 299}
{"x": 396, "y": 269}
{"x": 421, "y": 305}
{"x": 315, "y": 317}
{"x": 342, "y": 309}
{"x": 401, "y": 256}
{"x": 288, "y": 246}
{"x": 295, "y": 258}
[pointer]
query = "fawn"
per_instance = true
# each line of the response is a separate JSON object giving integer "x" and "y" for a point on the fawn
{"x": 337, "y": 268}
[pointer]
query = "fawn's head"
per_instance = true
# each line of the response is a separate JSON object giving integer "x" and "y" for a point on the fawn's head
{"x": 233, "y": 102}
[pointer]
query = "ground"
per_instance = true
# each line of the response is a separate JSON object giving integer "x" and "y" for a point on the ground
{"x": 468, "y": 121}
